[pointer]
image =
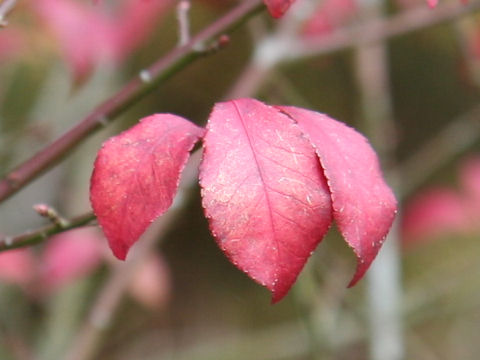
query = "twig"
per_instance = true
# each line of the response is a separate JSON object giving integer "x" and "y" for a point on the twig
{"x": 382, "y": 29}
{"x": 147, "y": 80}
{"x": 384, "y": 283}
{"x": 453, "y": 139}
{"x": 5, "y": 7}
{"x": 287, "y": 49}
{"x": 183, "y": 8}
{"x": 36, "y": 236}
{"x": 51, "y": 214}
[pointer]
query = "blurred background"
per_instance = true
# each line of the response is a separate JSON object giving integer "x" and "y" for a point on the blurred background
{"x": 414, "y": 94}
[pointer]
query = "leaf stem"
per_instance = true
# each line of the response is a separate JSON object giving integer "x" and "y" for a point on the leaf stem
{"x": 148, "y": 79}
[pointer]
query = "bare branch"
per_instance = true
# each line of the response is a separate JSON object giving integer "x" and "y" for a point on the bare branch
{"x": 455, "y": 138}
{"x": 382, "y": 29}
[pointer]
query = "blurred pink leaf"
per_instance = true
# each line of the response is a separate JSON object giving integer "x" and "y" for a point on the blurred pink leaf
{"x": 432, "y": 213}
{"x": 135, "y": 23}
{"x": 136, "y": 176}
{"x": 11, "y": 43}
{"x": 363, "y": 205}
{"x": 69, "y": 256}
{"x": 439, "y": 210}
{"x": 263, "y": 192}
{"x": 89, "y": 34}
{"x": 17, "y": 267}
{"x": 329, "y": 15}
{"x": 151, "y": 283}
{"x": 278, "y": 7}
{"x": 84, "y": 35}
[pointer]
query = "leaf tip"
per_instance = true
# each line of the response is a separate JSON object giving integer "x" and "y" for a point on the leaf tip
{"x": 277, "y": 295}
{"x": 362, "y": 268}
{"x": 366, "y": 256}
{"x": 119, "y": 249}
{"x": 277, "y": 8}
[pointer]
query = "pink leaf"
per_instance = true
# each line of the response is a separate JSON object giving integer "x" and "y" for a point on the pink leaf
{"x": 71, "y": 255}
{"x": 432, "y": 213}
{"x": 136, "y": 22}
{"x": 12, "y": 42}
{"x": 363, "y": 205}
{"x": 151, "y": 284}
{"x": 278, "y": 7}
{"x": 329, "y": 15}
{"x": 17, "y": 267}
{"x": 263, "y": 192}
{"x": 136, "y": 176}
{"x": 84, "y": 35}
{"x": 90, "y": 34}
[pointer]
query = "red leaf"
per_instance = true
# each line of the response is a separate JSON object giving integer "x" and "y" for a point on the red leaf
{"x": 136, "y": 176}
{"x": 363, "y": 205}
{"x": 278, "y": 7}
{"x": 263, "y": 192}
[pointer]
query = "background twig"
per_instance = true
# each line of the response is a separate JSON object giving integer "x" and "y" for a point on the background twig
{"x": 384, "y": 282}
{"x": 183, "y": 9}
{"x": 36, "y": 236}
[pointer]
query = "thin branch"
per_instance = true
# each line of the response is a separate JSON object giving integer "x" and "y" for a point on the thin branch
{"x": 51, "y": 214}
{"x": 147, "y": 80}
{"x": 5, "y": 8}
{"x": 381, "y": 29}
{"x": 34, "y": 237}
{"x": 384, "y": 317}
{"x": 455, "y": 138}
{"x": 272, "y": 51}
{"x": 183, "y": 8}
